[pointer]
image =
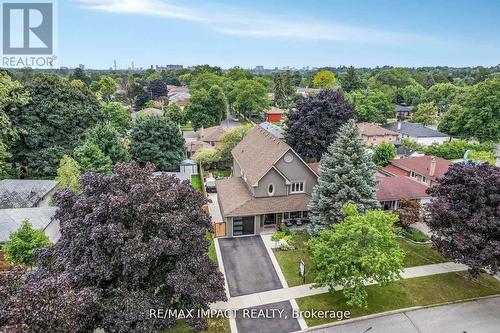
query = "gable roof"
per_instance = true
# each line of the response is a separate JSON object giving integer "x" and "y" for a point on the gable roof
{"x": 421, "y": 165}
{"x": 213, "y": 133}
{"x": 257, "y": 153}
{"x": 23, "y": 193}
{"x": 399, "y": 187}
{"x": 273, "y": 129}
{"x": 404, "y": 108}
{"x": 236, "y": 200}
{"x": 415, "y": 130}
{"x": 11, "y": 219}
{"x": 370, "y": 129}
{"x": 152, "y": 112}
{"x": 274, "y": 110}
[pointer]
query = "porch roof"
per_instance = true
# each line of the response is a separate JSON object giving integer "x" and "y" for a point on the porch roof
{"x": 236, "y": 200}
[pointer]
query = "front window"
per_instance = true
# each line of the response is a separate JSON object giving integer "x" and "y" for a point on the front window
{"x": 424, "y": 180}
{"x": 389, "y": 205}
{"x": 297, "y": 187}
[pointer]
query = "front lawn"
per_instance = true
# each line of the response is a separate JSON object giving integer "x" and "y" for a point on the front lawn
{"x": 215, "y": 325}
{"x": 212, "y": 254}
{"x": 196, "y": 183}
{"x": 416, "y": 255}
{"x": 428, "y": 290}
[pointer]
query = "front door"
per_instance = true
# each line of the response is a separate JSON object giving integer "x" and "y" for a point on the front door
{"x": 243, "y": 226}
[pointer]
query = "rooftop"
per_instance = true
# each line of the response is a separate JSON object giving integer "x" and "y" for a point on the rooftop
{"x": 404, "y": 108}
{"x": 274, "y": 110}
{"x": 23, "y": 193}
{"x": 273, "y": 129}
{"x": 11, "y": 219}
{"x": 399, "y": 187}
{"x": 415, "y": 130}
{"x": 421, "y": 165}
{"x": 236, "y": 200}
{"x": 152, "y": 111}
{"x": 213, "y": 133}
{"x": 370, "y": 129}
{"x": 262, "y": 146}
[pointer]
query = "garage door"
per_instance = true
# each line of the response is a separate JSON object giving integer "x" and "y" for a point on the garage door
{"x": 243, "y": 226}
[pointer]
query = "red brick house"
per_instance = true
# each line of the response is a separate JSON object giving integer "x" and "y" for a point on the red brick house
{"x": 425, "y": 169}
{"x": 375, "y": 135}
{"x": 274, "y": 115}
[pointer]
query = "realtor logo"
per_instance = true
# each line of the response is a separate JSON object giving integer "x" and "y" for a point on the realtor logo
{"x": 27, "y": 28}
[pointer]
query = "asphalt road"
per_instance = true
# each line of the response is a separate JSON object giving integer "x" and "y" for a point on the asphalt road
{"x": 481, "y": 316}
{"x": 247, "y": 266}
{"x": 269, "y": 318}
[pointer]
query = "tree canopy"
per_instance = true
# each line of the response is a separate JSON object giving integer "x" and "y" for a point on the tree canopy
{"x": 52, "y": 123}
{"x": 314, "y": 123}
{"x": 207, "y": 108}
{"x": 372, "y": 106}
{"x": 22, "y": 243}
{"x": 384, "y": 153}
{"x": 359, "y": 249}
{"x": 109, "y": 141}
{"x": 249, "y": 97}
{"x": 464, "y": 216}
{"x": 131, "y": 242}
{"x": 157, "y": 140}
{"x": 284, "y": 90}
{"x": 90, "y": 158}
{"x": 68, "y": 174}
{"x": 324, "y": 79}
{"x": 351, "y": 81}
{"x": 426, "y": 114}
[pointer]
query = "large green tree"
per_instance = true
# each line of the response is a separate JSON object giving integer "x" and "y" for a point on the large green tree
{"x": 117, "y": 116}
{"x": 372, "y": 106}
{"x": 109, "y": 141}
{"x": 207, "y": 108}
{"x": 249, "y": 97}
{"x": 157, "y": 140}
{"x": 52, "y": 123}
{"x": 175, "y": 113}
{"x": 426, "y": 114}
{"x": 350, "y": 81}
{"x": 90, "y": 158}
{"x": 107, "y": 87}
{"x": 442, "y": 94}
{"x": 360, "y": 249}
{"x": 22, "y": 243}
{"x": 284, "y": 90}
{"x": 324, "y": 79}
{"x": 346, "y": 176}
{"x": 68, "y": 174}
{"x": 230, "y": 139}
{"x": 384, "y": 153}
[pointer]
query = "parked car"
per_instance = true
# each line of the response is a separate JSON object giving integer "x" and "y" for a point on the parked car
{"x": 210, "y": 185}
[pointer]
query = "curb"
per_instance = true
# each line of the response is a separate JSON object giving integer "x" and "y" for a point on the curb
{"x": 388, "y": 313}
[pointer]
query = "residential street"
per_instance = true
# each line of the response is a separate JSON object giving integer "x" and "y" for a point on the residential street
{"x": 481, "y": 316}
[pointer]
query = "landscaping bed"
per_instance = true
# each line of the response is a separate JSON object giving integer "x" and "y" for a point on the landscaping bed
{"x": 416, "y": 255}
{"x": 421, "y": 291}
{"x": 216, "y": 325}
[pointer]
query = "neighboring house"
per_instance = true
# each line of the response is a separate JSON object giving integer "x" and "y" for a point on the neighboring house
{"x": 212, "y": 135}
{"x": 425, "y": 169}
{"x": 404, "y": 111}
{"x": 273, "y": 129}
{"x": 307, "y": 91}
{"x": 392, "y": 189}
{"x": 273, "y": 115}
{"x": 152, "y": 112}
{"x": 178, "y": 95}
{"x": 26, "y": 193}
{"x": 403, "y": 152}
{"x": 375, "y": 135}
{"x": 270, "y": 183}
{"x": 193, "y": 146}
{"x": 420, "y": 134}
{"x": 40, "y": 218}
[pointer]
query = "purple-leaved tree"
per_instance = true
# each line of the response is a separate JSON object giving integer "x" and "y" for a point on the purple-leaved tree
{"x": 465, "y": 216}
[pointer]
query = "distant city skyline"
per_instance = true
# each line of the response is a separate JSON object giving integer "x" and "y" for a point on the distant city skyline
{"x": 275, "y": 33}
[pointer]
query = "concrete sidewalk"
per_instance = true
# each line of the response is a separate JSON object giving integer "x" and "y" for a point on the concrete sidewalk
{"x": 285, "y": 294}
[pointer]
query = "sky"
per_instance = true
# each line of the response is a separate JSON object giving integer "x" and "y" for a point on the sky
{"x": 277, "y": 33}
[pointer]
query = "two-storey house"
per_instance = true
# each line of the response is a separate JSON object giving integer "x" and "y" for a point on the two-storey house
{"x": 270, "y": 183}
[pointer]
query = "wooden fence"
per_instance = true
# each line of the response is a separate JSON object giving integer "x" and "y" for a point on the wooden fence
{"x": 219, "y": 229}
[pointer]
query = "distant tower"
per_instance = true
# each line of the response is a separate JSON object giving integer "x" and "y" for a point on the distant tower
{"x": 114, "y": 65}
{"x": 132, "y": 66}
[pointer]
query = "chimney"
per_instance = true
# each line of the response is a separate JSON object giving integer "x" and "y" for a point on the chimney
{"x": 202, "y": 132}
{"x": 432, "y": 168}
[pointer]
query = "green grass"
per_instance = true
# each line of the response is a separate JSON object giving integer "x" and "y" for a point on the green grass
{"x": 215, "y": 325}
{"x": 416, "y": 255}
{"x": 435, "y": 289}
{"x": 414, "y": 234}
{"x": 212, "y": 254}
{"x": 420, "y": 254}
{"x": 196, "y": 182}
{"x": 222, "y": 173}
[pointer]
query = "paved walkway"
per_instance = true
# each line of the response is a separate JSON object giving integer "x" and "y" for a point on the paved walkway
{"x": 480, "y": 316}
{"x": 213, "y": 208}
{"x": 279, "y": 295}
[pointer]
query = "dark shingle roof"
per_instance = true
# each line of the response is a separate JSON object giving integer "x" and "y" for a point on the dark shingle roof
{"x": 273, "y": 129}
{"x": 23, "y": 193}
{"x": 415, "y": 130}
{"x": 11, "y": 219}
{"x": 404, "y": 108}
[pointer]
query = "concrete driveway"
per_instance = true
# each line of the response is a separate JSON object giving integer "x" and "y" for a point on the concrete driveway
{"x": 270, "y": 318}
{"x": 481, "y": 316}
{"x": 247, "y": 266}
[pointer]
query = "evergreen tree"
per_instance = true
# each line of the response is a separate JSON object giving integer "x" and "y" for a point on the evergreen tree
{"x": 350, "y": 81}
{"x": 284, "y": 90}
{"x": 384, "y": 153}
{"x": 90, "y": 158}
{"x": 345, "y": 177}
{"x": 23, "y": 242}
{"x": 68, "y": 174}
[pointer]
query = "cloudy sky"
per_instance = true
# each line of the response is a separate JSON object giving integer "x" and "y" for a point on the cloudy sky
{"x": 278, "y": 32}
